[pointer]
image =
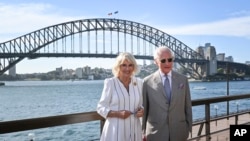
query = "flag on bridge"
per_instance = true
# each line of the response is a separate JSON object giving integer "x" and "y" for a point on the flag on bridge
{"x": 110, "y": 14}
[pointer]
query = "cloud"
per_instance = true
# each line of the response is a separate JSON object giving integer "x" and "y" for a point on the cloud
{"x": 238, "y": 26}
{"x": 240, "y": 13}
{"x": 25, "y": 18}
{"x": 20, "y": 19}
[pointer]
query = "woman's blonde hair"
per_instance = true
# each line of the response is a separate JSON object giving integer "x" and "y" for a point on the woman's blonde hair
{"x": 120, "y": 59}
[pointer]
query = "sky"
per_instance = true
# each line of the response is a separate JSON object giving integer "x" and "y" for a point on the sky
{"x": 223, "y": 23}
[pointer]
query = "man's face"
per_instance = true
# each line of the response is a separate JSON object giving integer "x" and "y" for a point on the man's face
{"x": 165, "y": 62}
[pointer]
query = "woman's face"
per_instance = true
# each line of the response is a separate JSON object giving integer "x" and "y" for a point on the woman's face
{"x": 126, "y": 69}
{"x": 165, "y": 62}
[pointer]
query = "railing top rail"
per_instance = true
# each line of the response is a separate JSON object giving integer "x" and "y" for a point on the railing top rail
{"x": 44, "y": 122}
{"x": 203, "y": 101}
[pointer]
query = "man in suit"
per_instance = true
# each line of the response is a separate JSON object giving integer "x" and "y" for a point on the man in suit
{"x": 167, "y": 101}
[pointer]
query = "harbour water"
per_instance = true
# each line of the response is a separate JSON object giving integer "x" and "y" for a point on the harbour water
{"x": 31, "y": 99}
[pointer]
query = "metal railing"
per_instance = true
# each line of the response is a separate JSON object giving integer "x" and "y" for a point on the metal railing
{"x": 44, "y": 122}
{"x": 207, "y": 102}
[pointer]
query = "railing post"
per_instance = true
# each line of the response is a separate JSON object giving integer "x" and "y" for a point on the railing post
{"x": 216, "y": 108}
{"x": 207, "y": 121}
{"x": 227, "y": 65}
{"x": 236, "y": 117}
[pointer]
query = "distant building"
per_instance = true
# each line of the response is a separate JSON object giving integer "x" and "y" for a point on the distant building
{"x": 229, "y": 59}
{"x": 59, "y": 70}
{"x": 68, "y": 73}
{"x": 87, "y": 70}
{"x": 221, "y": 56}
{"x": 79, "y": 72}
{"x": 90, "y": 77}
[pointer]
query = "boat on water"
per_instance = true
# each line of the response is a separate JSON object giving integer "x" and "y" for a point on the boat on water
{"x": 199, "y": 88}
{"x": 2, "y": 83}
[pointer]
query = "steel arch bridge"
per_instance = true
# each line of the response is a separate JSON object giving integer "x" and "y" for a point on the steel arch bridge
{"x": 101, "y": 37}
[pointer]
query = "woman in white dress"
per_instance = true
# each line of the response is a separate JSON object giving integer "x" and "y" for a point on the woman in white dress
{"x": 121, "y": 102}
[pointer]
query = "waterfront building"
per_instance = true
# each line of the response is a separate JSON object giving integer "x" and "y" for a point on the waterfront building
{"x": 87, "y": 70}
{"x": 90, "y": 77}
{"x": 67, "y": 73}
{"x": 79, "y": 73}
{"x": 59, "y": 70}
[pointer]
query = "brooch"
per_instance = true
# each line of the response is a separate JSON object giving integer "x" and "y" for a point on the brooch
{"x": 134, "y": 83}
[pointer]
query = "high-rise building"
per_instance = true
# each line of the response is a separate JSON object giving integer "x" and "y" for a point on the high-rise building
{"x": 79, "y": 72}
{"x": 221, "y": 56}
{"x": 87, "y": 70}
{"x": 229, "y": 59}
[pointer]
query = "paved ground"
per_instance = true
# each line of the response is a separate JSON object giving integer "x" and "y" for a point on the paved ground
{"x": 220, "y": 125}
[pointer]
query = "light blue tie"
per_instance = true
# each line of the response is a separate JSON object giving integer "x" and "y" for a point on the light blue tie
{"x": 167, "y": 88}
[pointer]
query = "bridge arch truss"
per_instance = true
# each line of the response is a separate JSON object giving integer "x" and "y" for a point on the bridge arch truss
{"x": 102, "y": 37}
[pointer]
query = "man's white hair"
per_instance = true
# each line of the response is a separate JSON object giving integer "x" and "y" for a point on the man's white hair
{"x": 162, "y": 49}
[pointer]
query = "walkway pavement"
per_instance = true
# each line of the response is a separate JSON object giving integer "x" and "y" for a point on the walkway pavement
{"x": 222, "y": 124}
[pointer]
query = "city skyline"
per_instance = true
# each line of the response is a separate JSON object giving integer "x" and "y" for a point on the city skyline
{"x": 224, "y": 24}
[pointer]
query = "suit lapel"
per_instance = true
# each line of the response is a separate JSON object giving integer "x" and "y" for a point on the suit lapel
{"x": 158, "y": 81}
{"x": 175, "y": 82}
